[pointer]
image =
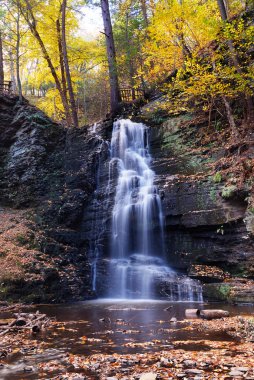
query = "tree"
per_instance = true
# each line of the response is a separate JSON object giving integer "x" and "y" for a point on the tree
{"x": 144, "y": 11}
{"x": 115, "y": 97}
{"x": 62, "y": 69}
{"x": 237, "y": 64}
{"x": 1, "y": 60}
{"x": 51, "y": 16}
{"x": 66, "y": 65}
{"x": 18, "y": 54}
{"x": 29, "y": 16}
{"x": 223, "y": 9}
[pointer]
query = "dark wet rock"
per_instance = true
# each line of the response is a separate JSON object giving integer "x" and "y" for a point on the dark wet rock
{"x": 201, "y": 226}
{"x": 52, "y": 171}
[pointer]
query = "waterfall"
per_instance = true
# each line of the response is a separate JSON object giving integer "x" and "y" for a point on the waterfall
{"x": 137, "y": 267}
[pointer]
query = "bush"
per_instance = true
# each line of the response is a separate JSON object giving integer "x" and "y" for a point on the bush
{"x": 228, "y": 191}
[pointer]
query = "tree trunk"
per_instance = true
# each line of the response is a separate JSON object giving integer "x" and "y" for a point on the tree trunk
{"x": 1, "y": 60}
{"x": 67, "y": 68}
{"x": 28, "y": 12}
{"x": 61, "y": 62}
{"x": 18, "y": 56}
{"x": 128, "y": 56}
{"x": 213, "y": 314}
{"x": 230, "y": 117}
{"x": 12, "y": 71}
{"x": 144, "y": 12}
{"x": 223, "y": 10}
{"x": 115, "y": 97}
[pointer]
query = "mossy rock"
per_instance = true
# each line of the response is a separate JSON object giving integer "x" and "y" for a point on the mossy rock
{"x": 237, "y": 291}
{"x": 216, "y": 292}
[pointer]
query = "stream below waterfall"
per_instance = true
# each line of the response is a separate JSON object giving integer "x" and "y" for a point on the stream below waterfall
{"x": 108, "y": 327}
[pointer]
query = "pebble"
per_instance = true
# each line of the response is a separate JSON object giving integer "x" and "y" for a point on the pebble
{"x": 164, "y": 362}
{"x": 28, "y": 369}
{"x": 189, "y": 363}
{"x": 235, "y": 373}
{"x": 148, "y": 376}
{"x": 194, "y": 371}
{"x": 241, "y": 369}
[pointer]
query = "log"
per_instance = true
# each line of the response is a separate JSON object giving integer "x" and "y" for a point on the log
{"x": 25, "y": 315}
{"x": 20, "y": 321}
{"x": 35, "y": 322}
{"x": 8, "y": 328}
{"x": 36, "y": 328}
{"x": 192, "y": 313}
{"x": 213, "y": 314}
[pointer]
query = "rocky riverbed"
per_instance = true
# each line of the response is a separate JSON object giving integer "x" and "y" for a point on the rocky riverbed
{"x": 141, "y": 341}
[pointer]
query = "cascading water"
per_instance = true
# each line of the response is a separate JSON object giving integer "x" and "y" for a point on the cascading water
{"x": 137, "y": 264}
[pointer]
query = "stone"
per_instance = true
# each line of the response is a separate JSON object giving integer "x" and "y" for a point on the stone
{"x": 241, "y": 369}
{"x": 28, "y": 369}
{"x": 189, "y": 363}
{"x": 164, "y": 362}
{"x": 235, "y": 373}
{"x": 148, "y": 376}
{"x": 194, "y": 371}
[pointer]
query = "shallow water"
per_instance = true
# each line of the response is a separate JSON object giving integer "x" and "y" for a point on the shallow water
{"x": 110, "y": 326}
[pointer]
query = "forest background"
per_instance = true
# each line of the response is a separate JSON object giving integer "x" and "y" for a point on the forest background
{"x": 197, "y": 53}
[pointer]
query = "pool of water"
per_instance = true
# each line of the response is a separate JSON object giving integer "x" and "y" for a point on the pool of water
{"x": 113, "y": 326}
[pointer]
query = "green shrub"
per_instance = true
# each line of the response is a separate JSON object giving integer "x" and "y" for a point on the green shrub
{"x": 217, "y": 178}
{"x": 228, "y": 191}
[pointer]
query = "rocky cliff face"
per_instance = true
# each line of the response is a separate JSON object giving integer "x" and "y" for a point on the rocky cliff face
{"x": 206, "y": 228}
{"x": 57, "y": 197}
{"x": 47, "y": 178}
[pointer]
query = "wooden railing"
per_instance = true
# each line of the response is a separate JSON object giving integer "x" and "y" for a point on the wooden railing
{"x": 6, "y": 87}
{"x": 130, "y": 94}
